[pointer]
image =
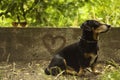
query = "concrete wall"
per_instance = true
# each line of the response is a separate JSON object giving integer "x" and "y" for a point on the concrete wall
{"x": 28, "y": 44}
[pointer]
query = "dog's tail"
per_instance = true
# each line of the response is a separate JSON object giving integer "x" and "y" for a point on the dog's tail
{"x": 47, "y": 71}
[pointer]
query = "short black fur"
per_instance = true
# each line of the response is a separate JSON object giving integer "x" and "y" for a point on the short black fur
{"x": 74, "y": 54}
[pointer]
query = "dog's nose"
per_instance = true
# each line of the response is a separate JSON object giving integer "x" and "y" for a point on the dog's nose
{"x": 108, "y": 26}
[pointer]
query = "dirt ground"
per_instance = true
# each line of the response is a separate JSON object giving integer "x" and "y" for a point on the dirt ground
{"x": 35, "y": 71}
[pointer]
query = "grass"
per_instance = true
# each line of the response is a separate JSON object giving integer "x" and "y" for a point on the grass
{"x": 111, "y": 72}
{"x": 111, "y": 75}
{"x": 35, "y": 71}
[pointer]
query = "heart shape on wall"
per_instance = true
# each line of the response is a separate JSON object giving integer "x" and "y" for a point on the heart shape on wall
{"x": 52, "y": 43}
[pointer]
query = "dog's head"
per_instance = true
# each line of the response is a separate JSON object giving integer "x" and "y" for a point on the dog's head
{"x": 95, "y": 26}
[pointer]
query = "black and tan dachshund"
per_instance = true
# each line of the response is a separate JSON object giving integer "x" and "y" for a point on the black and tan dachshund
{"x": 76, "y": 57}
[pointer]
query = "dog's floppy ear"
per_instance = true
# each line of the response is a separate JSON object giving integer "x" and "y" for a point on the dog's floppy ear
{"x": 85, "y": 26}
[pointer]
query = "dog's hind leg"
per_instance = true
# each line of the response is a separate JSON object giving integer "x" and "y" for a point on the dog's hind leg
{"x": 56, "y": 66}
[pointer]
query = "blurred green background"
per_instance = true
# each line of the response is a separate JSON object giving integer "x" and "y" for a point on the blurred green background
{"x": 58, "y": 13}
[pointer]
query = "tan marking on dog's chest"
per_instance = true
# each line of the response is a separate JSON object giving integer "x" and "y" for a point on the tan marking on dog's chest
{"x": 92, "y": 56}
{"x": 95, "y": 36}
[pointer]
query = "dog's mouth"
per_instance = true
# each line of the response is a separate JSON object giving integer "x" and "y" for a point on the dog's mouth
{"x": 105, "y": 31}
{"x": 103, "y": 28}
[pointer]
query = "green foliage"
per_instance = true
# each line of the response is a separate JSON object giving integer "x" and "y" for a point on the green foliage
{"x": 112, "y": 71}
{"x": 59, "y": 13}
{"x": 113, "y": 75}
